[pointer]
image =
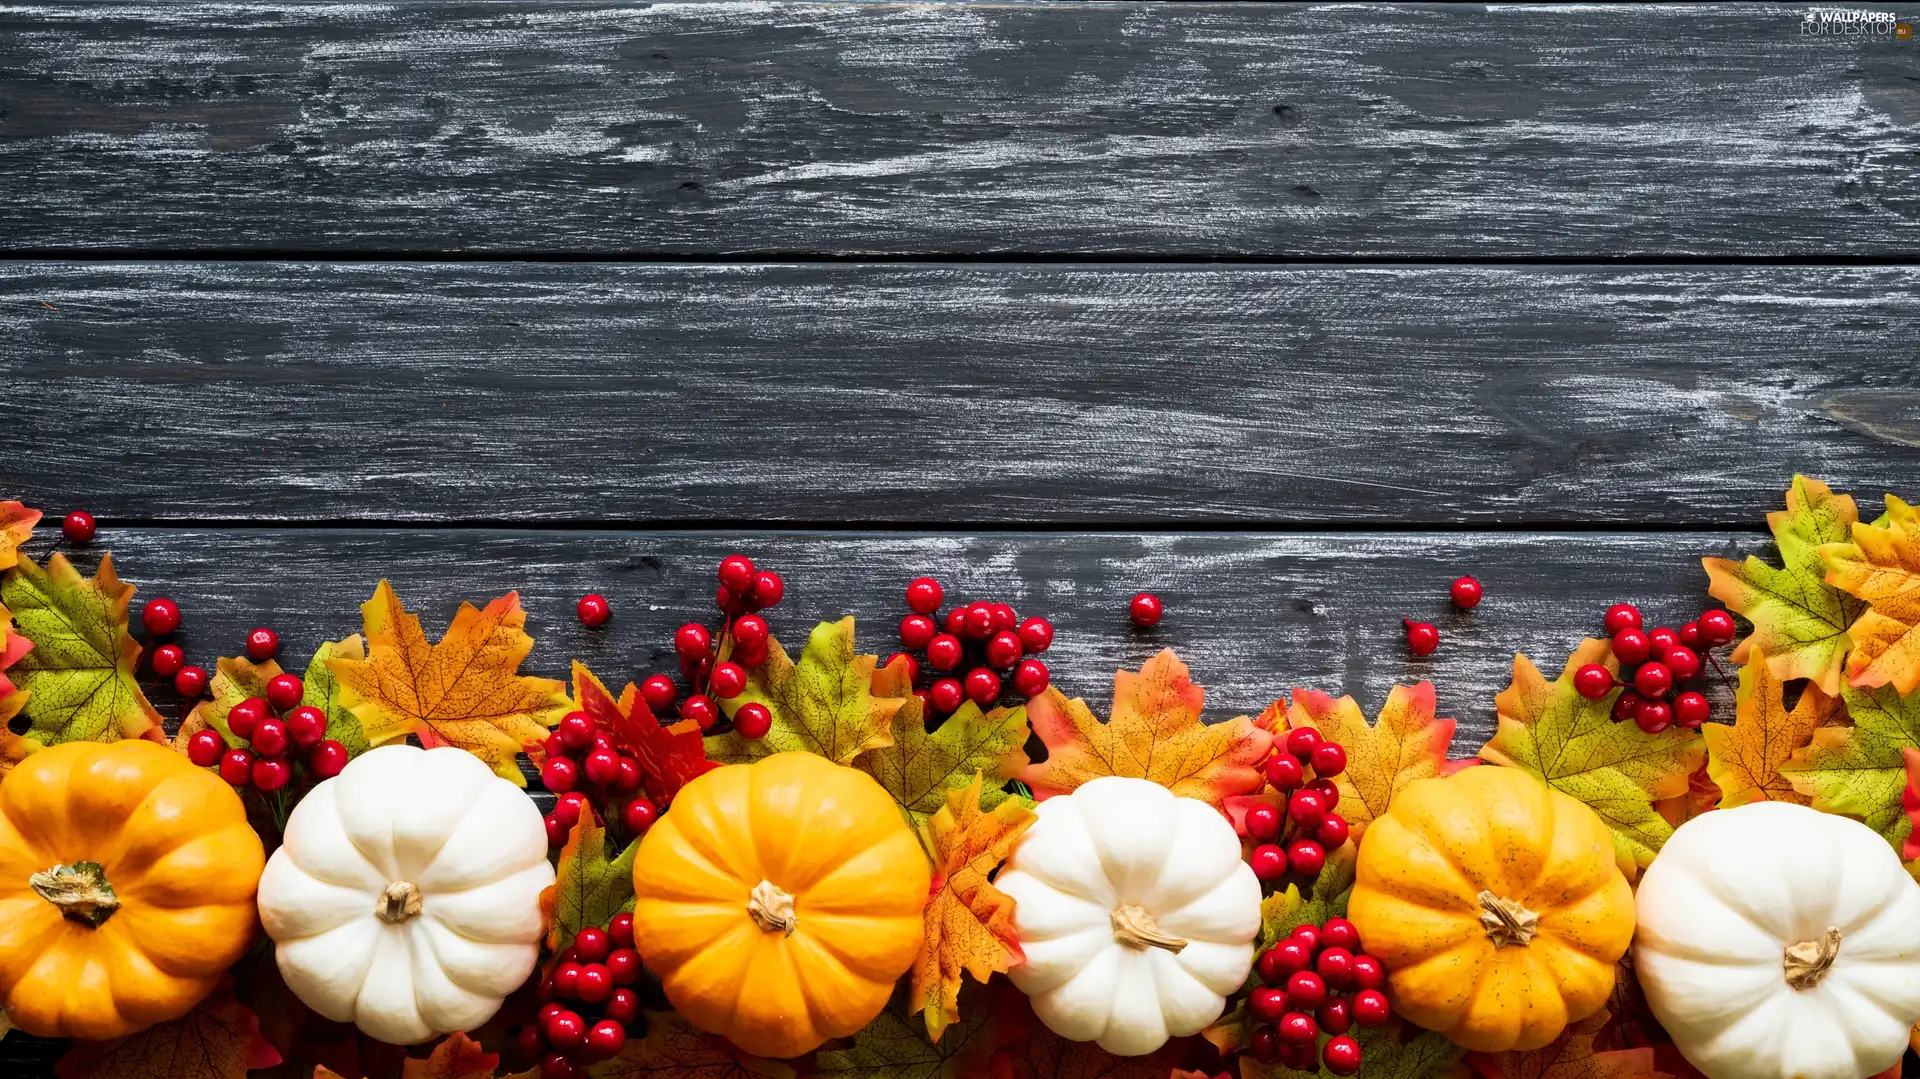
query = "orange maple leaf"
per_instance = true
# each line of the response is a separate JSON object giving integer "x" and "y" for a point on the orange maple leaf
{"x": 458, "y": 1057}
{"x": 465, "y": 690}
{"x": 12, "y": 647}
{"x": 16, "y": 526}
{"x": 1406, "y": 743}
{"x": 1882, "y": 568}
{"x": 1570, "y": 1056}
{"x": 969, "y": 921}
{"x": 1154, "y": 733}
{"x": 1744, "y": 758}
{"x": 220, "y": 1039}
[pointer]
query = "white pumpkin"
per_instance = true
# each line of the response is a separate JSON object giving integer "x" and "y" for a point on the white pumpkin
{"x": 406, "y": 897}
{"x": 1136, "y": 913}
{"x": 1778, "y": 942}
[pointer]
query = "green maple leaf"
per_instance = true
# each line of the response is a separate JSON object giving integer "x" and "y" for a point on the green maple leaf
{"x": 1860, "y": 770}
{"x": 1283, "y": 912}
{"x": 588, "y": 888}
{"x": 919, "y": 768}
{"x": 236, "y": 678}
{"x": 1616, "y": 769}
{"x": 323, "y": 692}
{"x": 79, "y": 675}
{"x": 1799, "y": 621}
{"x": 824, "y": 704}
{"x": 895, "y": 1047}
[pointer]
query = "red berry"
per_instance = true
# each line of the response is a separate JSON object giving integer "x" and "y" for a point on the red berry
{"x": 1653, "y": 717}
{"x": 1370, "y": 1007}
{"x": 1690, "y": 634}
{"x": 1298, "y": 1028}
{"x": 1264, "y": 1044}
{"x": 576, "y": 731}
{"x": 1717, "y": 628}
{"x": 595, "y": 984}
{"x": 556, "y": 1066}
{"x": 1268, "y": 861}
{"x": 1302, "y": 741}
{"x": 620, "y": 930}
{"x": 1335, "y": 965}
{"x": 1030, "y": 678}
{"x": 559, "y": 774}
{"x": 924, "y": 595}
{"x": 1145, "y": 610}
{"x": 944, "y": 652}
{"x": 977, "y": 623}
{"x": 1267, "y": 1004}
{"x": 1593, "y": 681}
{"x": 1005, "y": 619}
{"x": 593, "y": 609}
{"x": 628, "y": 780}
{"x": 530, "y": 1040}
{"x": 236, "y": 767}
{"x": 1267, "y": 966}
{"x": 607, "y": 1039}
{"x": 768, "y": 588}
{"x": 638, "y": 815}
{"x": 1308, "y": 935}
{"x": 727, "y": 681}
{"x": 168, "y": 659}
{"x": 692, "y": 641}
{"x": 1334, "y": 1016}
{"x": 306, "y": 725}
{"x": 1329, "y": 759}
{"x": 327, "y": 759}
{"x": 1367, "y": 972}
{"x": 1627, "y": 705}
{"x": 1299, "y": 1057}
{"x": 1328, "y": 793}
{"x": 736, "y": 572}
{"x": 1684, "y": 662}
{"x": 271, "y": 773}
{"x": 753, "y": 720}
{"x": 1262, "y": 821}
{"x": 1690, "y": 709}
{"x": 262, "y": 644}
{"x": 270, "y": 737}
{"x": 568, "y": 807}
{"x": 658, "y": 691}
{"x": 1422, "y": 638}
{"x": 916, "y": 630}
{"x": 1331, "y": 831}
{"x": 205, "y": 748}
{"x": 1465, "y": 592}
{"x": 77, "y": 527}
{"x": 624, "y": 965}
{"x": 946, "y": 694}
{"x": 592, "y": 945}
{"x": 1621, "y": 616}
{"x": 1341, "y": 1055}
{"x": 161, "y": 616}
{"x": 701, "y": 709}
{"x": 624, "y": 1006}
{"x": 601, "y": 767}
{"x": 983, "y": 686}
{"x": 1662, "y": 639}
{"x": 750, "y": 633}
{"x": 1036, "y": 634}
{"x": 1653, "y": 680}
{"x": 1306, "y": 857}
{"x": 565, "y": 1029}
{"x": 556, "y": 831}
{"x": 956, "y": 621}
{"x": 1285, "y": 772}
{"x": 1306, "y": 807}
{"x": 1003, "y": 651}
{"x": 1290, "y": 957}
{"x": 1631, "y": 646}
{"x": 243, "y": 717}
{"x": 284, "y": 691}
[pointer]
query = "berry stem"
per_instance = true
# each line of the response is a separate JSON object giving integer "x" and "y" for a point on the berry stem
{"x": 1722, "y": 672}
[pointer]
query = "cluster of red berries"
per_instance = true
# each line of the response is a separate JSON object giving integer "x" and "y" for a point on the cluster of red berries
{"x": 279, "y": 731}
{"x": 1424, "y": 637}
{"x": 161, "y": 617}
{"x": 587, "y": 1003}
{"x": 1302, "y": 768}
{"x": 1662, "y": 660}
{"x": 742, "y": 636}
{"x": 1316, "y": 981}
{"x": 984, "y": 638}
{"x": 590, "y": 773}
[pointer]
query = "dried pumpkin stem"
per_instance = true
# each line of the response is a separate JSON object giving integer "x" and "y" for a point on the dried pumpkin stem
{"x": 771, "y": 907}
{"x": 1135, "y": 928}
{"x": 80, "y": 891}
{"x": 399, "y": 902}
{"x": 1808, "y": 961}
{"x": 1506, "y": 922}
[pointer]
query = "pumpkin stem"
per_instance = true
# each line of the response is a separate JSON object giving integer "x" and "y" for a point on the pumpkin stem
{"x": 399, "y": 902}
{"x": 771, "y": 907}
{"x": 1135, "y": 928}
{"x": 1506, "y": 922}
{"x": 80, "y": 891}
{"x": 1808, "y": 961}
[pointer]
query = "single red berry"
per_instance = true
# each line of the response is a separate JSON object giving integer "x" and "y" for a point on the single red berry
{"x": 1627, "y": 705}
{"x": 955, "y": 622}
{"x": 1301, "y": 742}
{"x": 161, "y": 616}
{"x": 1299, "y": 1057}
{"x": 1264, "y": 1044}
{"x": 168, "y": 659}
{"x": 1367, "y": 972}
{"x": 1290, "y": 957}
{"x": 624, "y": 1006}
{"x": 576, "y": 731}
{"x": 1308, "y": 935}
{"x": 243, "y": 717}
{"x": 1684, "y": 662}
{"x": 1269, "y": 862}
{"x": 271, "y": 773}
{"x": 1334, "y": 1017}
{"x": 1328, "y": 792}
{"x": 1262, "y": 821}
{"x": 568, "y": 807}
{"x": 977, "y": 623}
{"x": 692, "y": 641}
{"x": 1621, "y": 616}
{"x": 1341, "y": 1055}
{"x": 284, "y": 691}
{"x": 555, "y": 1065}
{"x": 593, "y": 609}
{"x": 944, "y": 652}
{"x": 753, "y": 720}
{"x": 1306, "y": 857}
{"x": 327, "y": 759}
{"x": 1690, "y": 634}
{"x": 1631, "y": 646}
{"x": 983, "y": 686}
{"x": 620, "y": 930}
{"x": 262, "y": 644}
{"x": 1370, "y": 1008}
{"x": 624, "y": 965}
{"x": 1661, "y": 639}
{"x": 236, "y": 767}
{"x": 556, "y": 832}
{"x": 659, "y": 692}
{"x": 1339, "y": 933}
{"x": 1267, "y": 966}
{"x": 1653, "y": 680}
{"x": 1465, "y": 592}
{"x": 1145, "y": 610}
{"x": 1329, "y": 759}
{"x": 205, "y": 748}
{"x": 1267, "y": 1004}
{"x": 768, "y": 589}
{"x": 1593, "y": 681}
{"x": 1306, "y": 807}
{"x": 1422, "y": 638}
{"x": 638, "y": 815}
{"x": 1332, "y": 831}
{"x": 1717, "y": 628}
{"x": 750, "y": 633}
{"x": 628, "y": 780}
{"x": 565, "y": 1029}
{"x": 1653, "y": 717}
{"x": 595, "y": 984}
{"x": 1298, "y": 1028}
{"x": 601, "y": 767}
{"x": 1285, "y": 772}
{"x": 1690, "y": 709}
{"x": 1003, "y": 651}
{"x": 1030, "y": 678}
{"x": 917, "y": 629}
{"x": 606, "y": 1039}
{"x": 1306, "y": 991}
{"x": 530, "y": 1040}
{"x": 1036, "y": 634}
{"x": 736, "y": 572}
{"x": 701, "y": 709}
{"x": 270, "y": 737}
{"x": 77, "y": 527}
{"x": 1005, "y": 618}
{"x": 1335, "y": 965}
{"x": 727, "y": 681}
{"x": 924, "y": 595}
{"x": 592, "y": 945}
{"x": 946, "y": 694}
{"x": 306, "y": 726}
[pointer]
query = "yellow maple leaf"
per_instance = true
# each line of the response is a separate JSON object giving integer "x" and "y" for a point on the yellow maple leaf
{"x": 16, "y": 526}
{"x": 465, "y": 690}
{"x": 969, "y": 921}
{"x": 1406, "y": 743}
{"x": 1154, "y": 733}
{"x": 1881, "y": 567}
{"x": 1744, "y": 758}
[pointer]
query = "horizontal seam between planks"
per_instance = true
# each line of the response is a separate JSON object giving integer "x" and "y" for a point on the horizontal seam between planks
{"x": 374, "y": 256}
{"x": 1114, "y": 527}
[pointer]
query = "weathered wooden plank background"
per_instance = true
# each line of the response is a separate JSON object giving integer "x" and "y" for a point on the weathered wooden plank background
{"x": 1288, "y": 312}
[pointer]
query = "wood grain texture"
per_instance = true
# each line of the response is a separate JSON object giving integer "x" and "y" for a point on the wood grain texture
{"x": 1178, "y": 129}
{"x": 916, "y": 395}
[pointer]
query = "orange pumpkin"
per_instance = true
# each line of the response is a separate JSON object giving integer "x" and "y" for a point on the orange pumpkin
{"x": 779, "y": 902}
{"x": 126, "y": 888}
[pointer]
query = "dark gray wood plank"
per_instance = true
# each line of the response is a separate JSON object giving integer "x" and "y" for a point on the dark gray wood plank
{"x": 1445, "y": 130}
{"x": 917, "y": 395}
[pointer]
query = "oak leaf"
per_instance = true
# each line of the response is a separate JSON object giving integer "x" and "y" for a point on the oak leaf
{"x": 1616, "y": 769}
{"x": 1406, "y": 743}
{"x": 669, "y": 757}
{"x": 1397, "y": 1050}
{"x": 588, "y": 887}
{"x": 1744, "y": 758}
{"x": 1570, "y": 1056}
{"x": 220, "y": 1039}
{"x": 824, "y": 704}
{"x": 969, "y": 921}
{"x": 921, "y": 769}
{"x": 1881, "y": 568}
{"x": 79, "y": 675}
{"x": 894, "y": 1047}
{"x": 1860, "y": 770}
{"x": 1799, "y": 620}
{"x": 673, "y": 1049}
{"x": 1154, "y": 732}
{"x": 465, "y": 690}
{"x": 16, "y": 527}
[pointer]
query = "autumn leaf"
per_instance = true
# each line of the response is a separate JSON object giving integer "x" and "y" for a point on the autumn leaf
{"x": 1744, "y": 758}
{"x": 922, "y": 769}
{"x": 1616, "y": 769}
{"x": 969, "y": 921}
{"x": 1406, "y": 743}
{"x": 465, "y": 690}
{"x": 1881, "y": 568}
{"x": 1233, "y": 1030}
{"x": 1701, "y": 796}
{"x": 824, "y": 704}
{"x": 322, "y": 691}
{"x": 458, "y": 1057}
{"x": 673, "y": 1049}
{"x": 1397, "y": 1050}
{"x": 1154, "y": 732}
{"x": 1284, "y": 911}
{"x": 1570, "y": 1056}
{"x": 1799, "y": 620}
{"x": 669, "y": 757}
{"x": 588, "y": 889}
{"x": 13, "y": 748}
{"x": 12, "y": 647}
{"x": 1860, "y": 770}
{"x": 1042, "y": 1054}
{"x": 1910, "y": 803}
{"x": 220, "y": 1039}
{"x": 79, "y": 675}
{"x": 16, "y": 527}
{"x": 894, "y": 1047}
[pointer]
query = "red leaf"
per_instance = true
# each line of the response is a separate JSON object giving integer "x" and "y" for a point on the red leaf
{"x": 669, "y": 757}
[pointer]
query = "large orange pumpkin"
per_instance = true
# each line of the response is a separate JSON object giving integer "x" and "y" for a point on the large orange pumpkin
{"x": 779, "y": 902}
{"x": 127, "y": 878}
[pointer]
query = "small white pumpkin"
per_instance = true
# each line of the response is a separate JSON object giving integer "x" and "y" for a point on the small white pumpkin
{"x": 1136, "y": 913}
{"x": 1778, "y": 942}
{"x": 406, "y": 896}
